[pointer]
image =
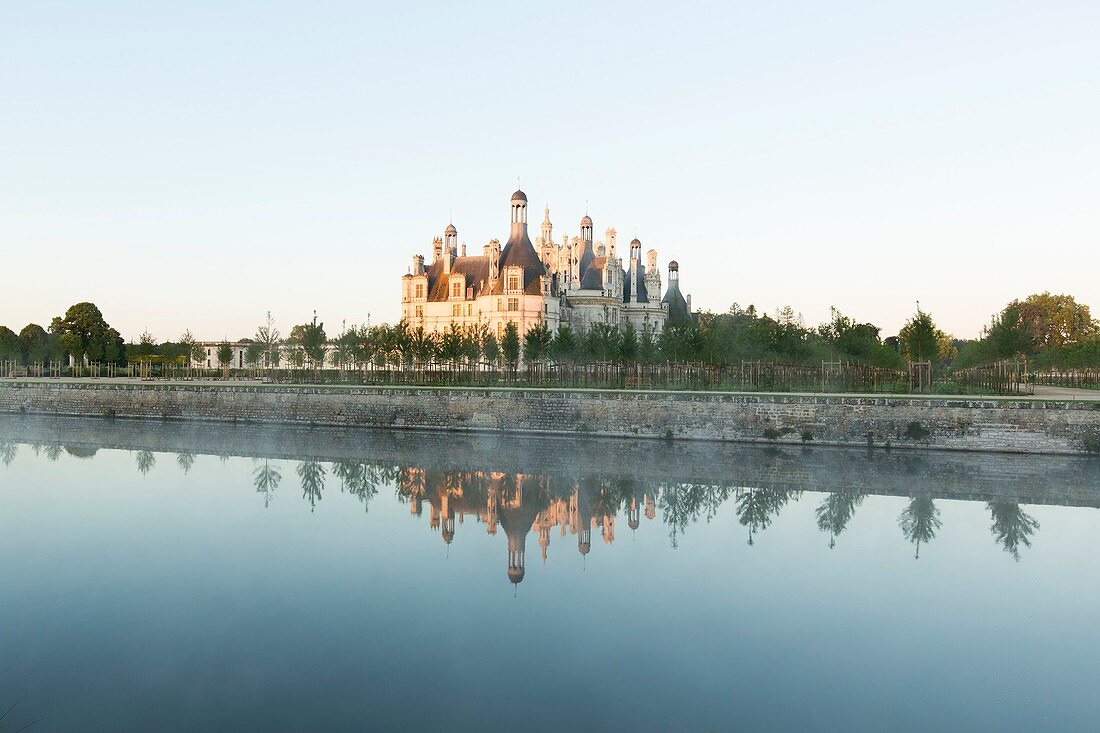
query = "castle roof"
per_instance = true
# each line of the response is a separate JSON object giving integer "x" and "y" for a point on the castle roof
{"x": 519, "y": 252}
{"x": 476, "y": 270}
{"x": 678, "y": 313}
{"x": 643, "y": 294}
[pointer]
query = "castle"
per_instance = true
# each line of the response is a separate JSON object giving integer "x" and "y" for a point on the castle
{"x": 579, "y": 282}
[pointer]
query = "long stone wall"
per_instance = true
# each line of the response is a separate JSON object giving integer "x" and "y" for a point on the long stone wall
{"x": 1021, "y": 426}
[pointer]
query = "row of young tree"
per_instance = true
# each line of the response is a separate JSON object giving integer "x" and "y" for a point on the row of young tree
{"x": 1052, "y": 331}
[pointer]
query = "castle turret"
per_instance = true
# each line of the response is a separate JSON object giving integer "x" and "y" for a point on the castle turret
{"x": 450, "y": 246}
{"x": 679, "y": 309}
{"x": 547, "y": 228}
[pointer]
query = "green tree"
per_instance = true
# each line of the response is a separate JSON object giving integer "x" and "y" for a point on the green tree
{"x": 310, "y": 337}
{"x": 85, "y": 334}
{"x": 268, "y": 335}
{"x": 628, "y": 344}
{"x": 1008, "y": 336}
{"x": 564, "y": 346}
{"x": 536, "y": 343}
{"x": 1054, "y": 320}
{"x": 254, "y": 353}
{"x": 509, "y": 345}
{"x": 922, "y": 341}
{"x": 491, "y": 349}
{"x": 36, "y": 344}
{"x": 225, "y": 356}
{"x": 194, "y": 350}
{"x": 11, "y": 348}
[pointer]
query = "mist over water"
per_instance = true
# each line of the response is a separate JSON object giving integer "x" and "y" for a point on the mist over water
{"x": 181, "y": 576}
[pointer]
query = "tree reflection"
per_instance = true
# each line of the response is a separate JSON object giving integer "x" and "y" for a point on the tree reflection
{"x": 7, "y": 453}
{"x": 757, "y": 508}
{"x": 266, "y": 479}
{"x": 145, "y": 461}
{"x": 53, "y": 452}
{"x": 684, "y": 504}
{"x": 362, "y": 480}
{"x": 835, "y": 511}
{"x": 185, "y": 461}
{"x": 1012, "y": 526}
{"x": 920, "y": 521}
{"x": 312, "y": 476}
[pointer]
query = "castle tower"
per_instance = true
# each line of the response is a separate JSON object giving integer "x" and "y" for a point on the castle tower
{"x": 450, "y": 246}
{"x": 679, "y": 308}
{"x": 635, "y": 268}
{"x": 547, "y": 227}
{"x": 652, "y": 275}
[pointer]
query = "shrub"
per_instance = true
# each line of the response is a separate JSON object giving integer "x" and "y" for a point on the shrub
{"x": 916, "y": 431}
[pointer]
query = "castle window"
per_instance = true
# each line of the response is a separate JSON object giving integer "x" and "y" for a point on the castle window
{"x": 513, "y": 282}
{"x": 500, "y": 304}
{"x": 513, "y": 304}
{"x": 456, "y": 289}
{"x": 419, "y": 311}
{"x": 456, "y": 310}
{"x": 420, "y": 290}
{"x": 469, "y": 309}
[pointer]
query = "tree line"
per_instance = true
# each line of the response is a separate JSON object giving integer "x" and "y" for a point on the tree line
{"x": 1051, "y": 331}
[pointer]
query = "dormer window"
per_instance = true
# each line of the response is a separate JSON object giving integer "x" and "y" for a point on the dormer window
{"x": 513, "y": 282}
{"x": 458, "y": 286}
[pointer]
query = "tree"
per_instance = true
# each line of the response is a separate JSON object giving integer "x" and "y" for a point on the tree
{"x": 194, "y": 350}
{"x": 85, "y": 334}
{"x": 1054, "y": 320}
{"x": 536, "y": 343}
{"x": 922, "y": 341}
{"x": 509, "y": 345}
{"x": 491, "y": 349}
{"x": 254, "y": 353}
{"x": 647, "y": 346}
{"x": 310, "y": 337}
{"x": 564, "y": 346}
{"x": 628, "y": 344}
{"x": 268, "y": 335}
{"x": 344, "y": 347}
{"x": 11, "y": 348}
{"x": 1008, "y": 336}
{"x": 225, "y": 356}
{"x": 36, "y": 344}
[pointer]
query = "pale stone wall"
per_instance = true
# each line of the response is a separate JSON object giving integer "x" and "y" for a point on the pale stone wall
{"x": 962, "y": 424}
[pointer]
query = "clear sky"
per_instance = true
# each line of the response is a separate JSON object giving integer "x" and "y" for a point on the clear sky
{"x": 196, "y": 164}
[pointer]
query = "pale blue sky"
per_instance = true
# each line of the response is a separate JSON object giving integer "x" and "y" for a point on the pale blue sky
{"x": 194, "y": 164}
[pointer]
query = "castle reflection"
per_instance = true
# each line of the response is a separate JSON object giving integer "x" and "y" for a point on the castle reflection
{"x": 520, "y": 504}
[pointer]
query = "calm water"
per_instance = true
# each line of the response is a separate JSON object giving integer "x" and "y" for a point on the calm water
{"x": 198, "y": 577}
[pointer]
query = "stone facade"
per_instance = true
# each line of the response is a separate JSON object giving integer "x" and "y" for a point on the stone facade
{"x": 1007, "y": 425}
